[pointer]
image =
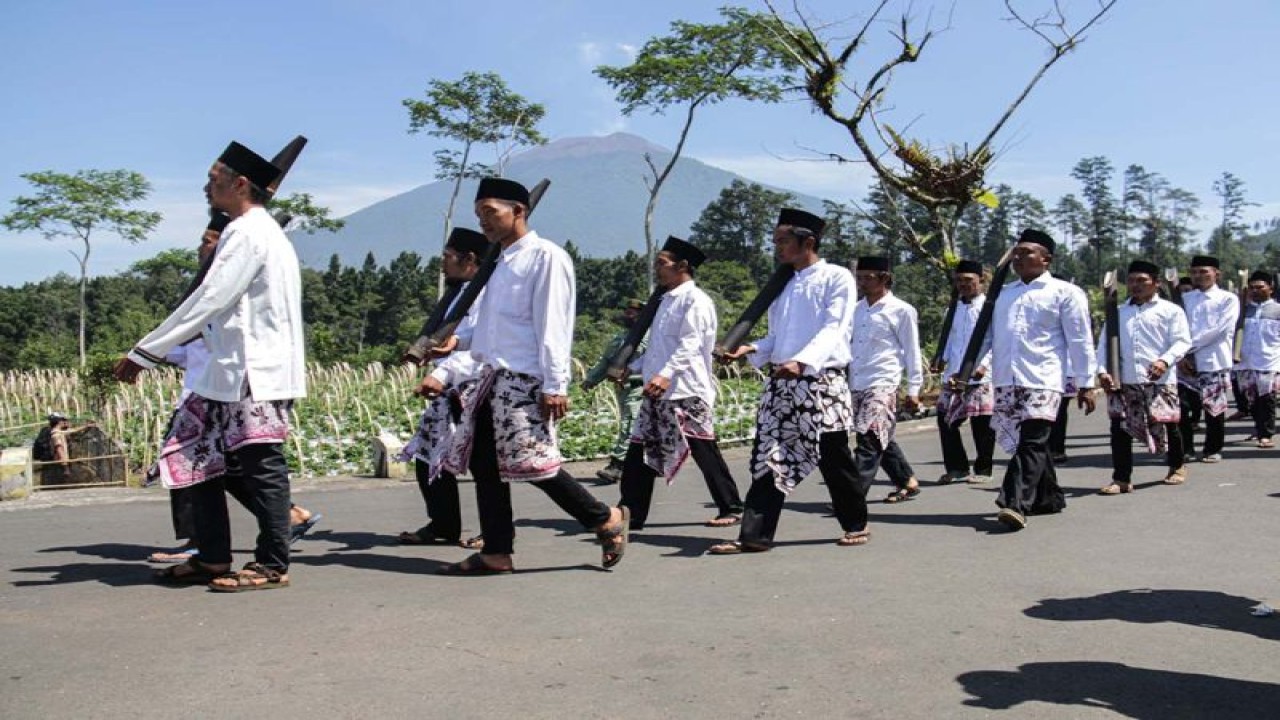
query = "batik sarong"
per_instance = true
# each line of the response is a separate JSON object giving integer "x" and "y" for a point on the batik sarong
{"x": 875, "y": 412}
{"x": 203, "y": 431}
{"x": 793, "y": 415}
{"x": 1215, "y": 388}
{"x": 430, "y": 443}
{"x": 1258, "y": 383}
{"x": 1145, "y": 410}
{"x": 1014, "y": 405}
{"x": 955, "y": 407}
{"x": 663, "y": 428}
{"x": 526, "y": 443}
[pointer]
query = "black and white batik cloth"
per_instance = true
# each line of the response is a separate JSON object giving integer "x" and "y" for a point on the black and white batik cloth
{"x": 526, "y": 443}
{"x": 955, "y": 407}
{"x": 663, "y": 428}
{"x": 875, "y": 412}
{"x": 1215, "y": 388}
{"x": 430, "y": 443}
{"x": 1145, "y": 409}
{"x": 793, "y": 415}
{"x": 1015, "y": 405}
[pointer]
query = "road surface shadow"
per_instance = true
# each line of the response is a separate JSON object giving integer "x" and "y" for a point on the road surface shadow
{"x": 408, "y": 565}
{"x": 354, "y": 540}
{"x": 1200, "y": 608}
{"x": 113, "y": 574}
{"x": 109, "y": 551}
{"x": 1133, "y": 692}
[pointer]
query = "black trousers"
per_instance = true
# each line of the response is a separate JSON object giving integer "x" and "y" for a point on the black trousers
{"x": 264, "y": 475}
{"x": 894, "y": 463}
{"x": 638, "y": 480}
{"x": 1058, "y": 433}
{"x": 1215, "y": 426}
{"x": 1122, "y": 451}
{"x": 493, "y": 496}
{"x": 954, "y": 457}
{"x": 444, "y": 510}
{"x": 845, "y": 483}
{"x": 1264, "y": 415}
{"x": 1030, "y": 482}
{"x": 1237, "y": 392}
{"x": 182, "y": 508}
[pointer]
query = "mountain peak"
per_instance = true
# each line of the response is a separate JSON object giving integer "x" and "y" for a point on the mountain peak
{"x": 589, "y": 145}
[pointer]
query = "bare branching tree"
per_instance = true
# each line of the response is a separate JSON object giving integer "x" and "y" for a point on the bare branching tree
{"x": 943, "y": 182}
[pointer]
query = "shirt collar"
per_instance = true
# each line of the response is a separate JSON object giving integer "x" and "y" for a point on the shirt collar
{"x": 812, "y": 268}
{"x": 519, "y": 245}
{"x": 681, "y": 289}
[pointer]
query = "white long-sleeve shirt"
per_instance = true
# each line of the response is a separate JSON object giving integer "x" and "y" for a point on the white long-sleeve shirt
{"x": 680, "y": 343}
{"x": 1261, "y": 346}
{"x": 249, "y": 310}
{"x": 1040, "y": 332}
{"x": 525, "y": 319}
{"x": 1212, "y": 316}
{"x": 192, "y": 358}
{"x": 962, "y": 325}
{"x": 886, "y": 340}
{"x": 811, "y": 321}
{"x": 460, "y": 364}
{"x": 1155, "y": 330}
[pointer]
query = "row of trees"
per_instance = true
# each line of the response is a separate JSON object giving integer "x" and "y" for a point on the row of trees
{"x": 372, "y": 312}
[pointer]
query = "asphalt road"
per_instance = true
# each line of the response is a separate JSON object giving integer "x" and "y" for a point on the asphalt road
{"x": 1128, "y": 606}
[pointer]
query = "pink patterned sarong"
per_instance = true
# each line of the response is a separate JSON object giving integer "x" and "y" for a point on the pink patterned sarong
{"x": 203, "y": 431}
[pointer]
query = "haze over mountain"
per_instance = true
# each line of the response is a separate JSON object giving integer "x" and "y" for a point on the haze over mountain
{"x": 596, "y": 199}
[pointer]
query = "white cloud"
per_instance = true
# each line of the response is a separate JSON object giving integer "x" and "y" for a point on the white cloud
{"x": 590, "y": 53}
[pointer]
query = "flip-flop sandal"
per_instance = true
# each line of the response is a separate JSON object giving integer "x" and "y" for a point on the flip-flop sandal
{"x": 902, "y": 494}
{"x": 473, "y": 543}
{"x": 296, "y": 532}
{"x": 853, "y": 539}
{"x": 1116, "y": 489}
{"x": 724, "y": 521}
{"x": 191, "y": 572}
{"x": 412, "y": 538}
{"x": 472, "y": 565}
{"x": 254, "y": 576}
{"x": 177, "y": 556}
{"x": 613, "y": 543}
{"x": 735, "y": 547}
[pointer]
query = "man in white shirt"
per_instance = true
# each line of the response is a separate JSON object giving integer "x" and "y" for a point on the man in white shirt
{"x": 460, "y": 261}
{"x": 675, "y": 418}
{"x": 1143, "y": 401}
{"x": 1058, "y": 433}
{"x": 977, "y": 399}
{"x": 521, "y": 343}
{"x": 885, "y": 342}
{"x": 1040, "y": 337}
{"x": 1211, "y": 316}
{"x": 806, "y": 412}
{"x": 1260, "y": 356}
{"x": 249, "y": 309}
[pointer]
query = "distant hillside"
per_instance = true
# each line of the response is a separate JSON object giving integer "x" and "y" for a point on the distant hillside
{"x": 596, "y": 199}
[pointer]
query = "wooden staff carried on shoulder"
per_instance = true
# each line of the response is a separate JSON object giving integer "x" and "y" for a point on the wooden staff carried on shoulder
{"x": 759, "y": 305}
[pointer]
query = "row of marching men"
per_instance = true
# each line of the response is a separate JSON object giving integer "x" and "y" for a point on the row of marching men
{"x": 837, "y": 348}
{"x": 500, "y": 348}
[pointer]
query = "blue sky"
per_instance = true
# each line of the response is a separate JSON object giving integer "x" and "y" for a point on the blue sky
{"x": 160, "y": 87}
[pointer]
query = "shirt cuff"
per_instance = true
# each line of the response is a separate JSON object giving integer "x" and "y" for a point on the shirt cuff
{"x": 1084, "y": 382}
{"x": 144, "y": 358}
{"x": 555, "y": 388}
{"x": 441, "y": 375}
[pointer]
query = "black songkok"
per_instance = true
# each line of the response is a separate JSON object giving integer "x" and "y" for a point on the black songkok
{"x": 250, "y": 164}
{"x": 468, "y": 241}
{"x": 874, "y": 263}
{"x": 497, "y": 188}
{"x": 684, "y": 250}
{"x": 1142, "y": 266}
{"x": 1264, "y": 276}
{"x": 800, "y": 218}
{"x": 969, "y": 266}
{"x": 1039, "y": 238}
{"x": 1204, "y": 261}
{"x": 218, "y": 221}
{"x": 1184, "y": 281}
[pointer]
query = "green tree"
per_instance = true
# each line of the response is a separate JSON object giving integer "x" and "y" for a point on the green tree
{"x": 1225, "y": 240}
{"x": 478, "y": 109}
{"x": 1104, "y": 218}
{"x": 694, "y": 66}
{"x": 737, "y": 226}
{"x": 78, "y": 205}
{"x": 302, "y": 214}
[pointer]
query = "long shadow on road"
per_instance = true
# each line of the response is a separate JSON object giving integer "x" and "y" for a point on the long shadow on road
{"x": 1200, "y": 608}
{"x": 1129, "y": 691}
